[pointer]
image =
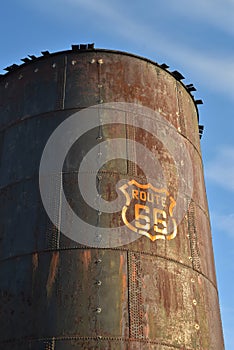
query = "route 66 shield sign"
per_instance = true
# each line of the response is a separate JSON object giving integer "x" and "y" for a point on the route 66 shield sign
{"x": 149, "y": 211}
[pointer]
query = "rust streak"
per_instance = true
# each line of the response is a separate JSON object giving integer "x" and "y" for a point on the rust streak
{"x": 86, "y": 258}
{"x": 121, "y": 262}
{"x": 146, "y": 327}
{"x": 35, "y": 262}
{"x": 52, "y": 273}
{"x": 124, "y": 276}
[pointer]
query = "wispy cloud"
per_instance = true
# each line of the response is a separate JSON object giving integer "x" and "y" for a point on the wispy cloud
{"x": 221, "y": 169}
{"x": 219, "y": 13}
{"x": 224, "y": 223}
{"x": 216, "y": 73}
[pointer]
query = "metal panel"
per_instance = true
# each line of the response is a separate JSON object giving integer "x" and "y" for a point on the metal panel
{"x": 33, "y": 90}
{"x": 58, "y": 294}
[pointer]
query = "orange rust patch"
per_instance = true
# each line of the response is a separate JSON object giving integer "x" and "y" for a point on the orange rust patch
{"x": 121, "y": 263}
{"x": 146, "y": 327}
{"x": 124, "y": 286}
{"x": 124, "y": 281}
{"x": 86, "y": 258}
{"x": 124, "y": 277}
{"x": 52, "y": 273}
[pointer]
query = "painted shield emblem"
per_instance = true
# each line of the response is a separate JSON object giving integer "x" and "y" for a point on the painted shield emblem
{"x": 149, "y": 211}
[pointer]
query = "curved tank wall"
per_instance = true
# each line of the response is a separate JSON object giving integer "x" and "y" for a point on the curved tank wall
{"x": 59, "y": 294}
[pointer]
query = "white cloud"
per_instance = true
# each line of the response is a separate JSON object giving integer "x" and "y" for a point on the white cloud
{"x": 221, "y": 169}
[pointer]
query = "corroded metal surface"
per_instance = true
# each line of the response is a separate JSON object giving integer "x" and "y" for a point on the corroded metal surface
{"x": 58, "y": 294}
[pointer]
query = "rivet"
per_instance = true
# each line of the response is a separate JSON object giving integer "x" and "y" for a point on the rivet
{"x": 54, "y": 65}
{"x": 99, "y": 283}
{"x": 190, "y": 258}
{"x": 100, "y": 101}
{"x": 73, "y": 62}
{"x": 99, "y": 177}
{"x": 192, "y": 280}
{"x": 99, "y": 337}
{"x": 100, "y": 61}
{"x": 197, "y": 326}
{"x": 98, "y": 310}
{"x": 98, "y": 261}
{"x": 100, "y": 85}
{"x": 6, "y": 85}
{"x": 194, "y": 302}
{"x": 99, "y": 137}
{"x": 92, "y": 61}
{"x": 99, "y": 213}
{"x": 36, "y": 70}
{"x": 99, "y": 154}
{"x": 20, "y": 77}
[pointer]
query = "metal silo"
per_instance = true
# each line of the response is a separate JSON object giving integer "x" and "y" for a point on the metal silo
{"x": 153, "y": 285}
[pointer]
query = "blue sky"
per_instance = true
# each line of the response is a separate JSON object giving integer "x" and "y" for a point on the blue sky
{"x": 194, "y": 37}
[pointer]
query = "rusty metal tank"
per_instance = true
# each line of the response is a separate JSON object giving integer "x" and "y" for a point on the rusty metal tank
{"x": 58, "y": 293}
